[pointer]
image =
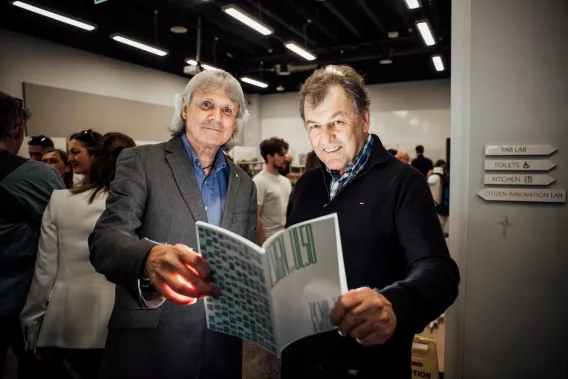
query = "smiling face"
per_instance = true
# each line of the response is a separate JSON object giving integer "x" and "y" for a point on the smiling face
{"x": 79, "y": 157}
{"x": 210, "y": 119}
{"x": 335, "y": 129}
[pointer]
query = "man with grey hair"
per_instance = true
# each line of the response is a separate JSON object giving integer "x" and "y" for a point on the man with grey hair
{"x": 399, "y": 272}
{"x": 144, "y": 240}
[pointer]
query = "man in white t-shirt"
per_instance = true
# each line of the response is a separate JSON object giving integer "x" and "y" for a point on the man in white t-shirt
{"x": 273, "y": 189}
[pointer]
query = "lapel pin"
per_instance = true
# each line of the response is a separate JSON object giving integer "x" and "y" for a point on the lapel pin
{"x": 361, "y": 203}
{"x": 237, "y": 175}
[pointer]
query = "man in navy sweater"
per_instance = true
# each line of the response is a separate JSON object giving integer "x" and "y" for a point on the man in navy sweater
{"x": 398, "y": 268}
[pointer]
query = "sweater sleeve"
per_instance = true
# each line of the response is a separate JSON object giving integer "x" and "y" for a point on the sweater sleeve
{"x": 432, "y": 277}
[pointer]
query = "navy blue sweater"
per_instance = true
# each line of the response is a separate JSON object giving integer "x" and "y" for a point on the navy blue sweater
{"x": 392, "y": 240}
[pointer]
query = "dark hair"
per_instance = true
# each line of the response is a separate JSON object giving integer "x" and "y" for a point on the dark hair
{"x": 315, "y": 88}
{"x": 12, "y": 114}
{"x": 88, "y": 138}
{"x": 68, "y": 177}
{"x": 393, "y": 151}
{"x": 41, "y": 140}
{"x": 103, "y": 168}
{"x": 311, "y": 160}
{"x": 440, "y": 163}
{"x": 272, "y": 146}
{"x": 420, "y": 149}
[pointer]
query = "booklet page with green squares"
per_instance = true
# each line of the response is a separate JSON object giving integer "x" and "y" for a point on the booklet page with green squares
{"x": 278, "y": 293}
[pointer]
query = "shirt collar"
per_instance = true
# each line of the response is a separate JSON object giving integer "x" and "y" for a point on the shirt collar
{"x": 218, "y": 164}
{"x": 359, "y": 159}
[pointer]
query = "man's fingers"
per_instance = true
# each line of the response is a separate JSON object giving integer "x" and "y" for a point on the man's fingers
{"x": 187, "y": 276}
{"x": 363, "y": 330}
{"x": 375, "y": 338}
{"x": 350, "y": 300}
{"x": 176, "y": 297}
{"x": 353, "y": 318}
{"x": 194, "y": 260}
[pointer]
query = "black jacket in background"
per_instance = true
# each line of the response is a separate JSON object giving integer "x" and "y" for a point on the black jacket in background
{"x": 392, "y": 240}
{"x": 422, "y": 164}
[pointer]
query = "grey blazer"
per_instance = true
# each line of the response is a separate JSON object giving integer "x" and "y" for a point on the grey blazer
{"x": 155, "y": 198}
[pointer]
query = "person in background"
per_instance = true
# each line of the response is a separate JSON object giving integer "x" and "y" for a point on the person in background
{"x": 143, "y": 240}
{"x": 25, "y": 189}
{"x": 38, "y": 145}
{"x": 399, "y": 272}
{"x": 80, "y": 153}
{"x": 69, "y": 304}
{"x": 403, "y": 157}
{"x": 288, "y": 158}
{"x": 421, "y": 163}
{"x": 437, "y": 181}
{"x": 57, "y": 159}
{"x": 392, "y": 152}
{"x": 273, "y": 189}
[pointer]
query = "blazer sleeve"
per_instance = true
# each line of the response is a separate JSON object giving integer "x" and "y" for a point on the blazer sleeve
{"x": 432, "y": 276}
{"x": 45, "y": 273}
{"x": 251, "y": 231}
{"x": 116, "y": 251}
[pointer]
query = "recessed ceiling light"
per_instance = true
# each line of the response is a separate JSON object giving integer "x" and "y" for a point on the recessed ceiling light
{"x": 412, "y": 4}
{"x": 280, "y": 88}
{"x": 426, "y": 32}
{"x": 300, "y": 51}
{"x": 438, "y": 63}
{"x": 254, "y": 82}
{"x": 250, "y": 21}
{"x": 205, "y": 66}
{"x": 178, "y": 29}
{"x": 209, "y": 67}
{"x": 55, "y": 16}
{"x": 386, "y": 60}
{"x": 139, "y": 45}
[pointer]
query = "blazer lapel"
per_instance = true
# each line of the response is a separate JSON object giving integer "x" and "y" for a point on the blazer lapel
{"x": 232, "y": 195}
{"x": 185, "y": 179}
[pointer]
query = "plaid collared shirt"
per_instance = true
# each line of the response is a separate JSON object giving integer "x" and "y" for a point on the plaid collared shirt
{"x": 356, "y": 165}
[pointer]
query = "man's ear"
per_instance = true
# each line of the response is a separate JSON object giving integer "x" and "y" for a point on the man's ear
{"x": 367, "y": 120}
{"x": 183, "y": 109}
{"x": 19, "y": 130}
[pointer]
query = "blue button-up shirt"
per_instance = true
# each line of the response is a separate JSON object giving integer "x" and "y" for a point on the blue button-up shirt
{"x": 213, "y": 187}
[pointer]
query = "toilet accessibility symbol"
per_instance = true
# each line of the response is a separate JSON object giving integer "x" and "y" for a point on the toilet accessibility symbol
{"x": 526, "y": 166}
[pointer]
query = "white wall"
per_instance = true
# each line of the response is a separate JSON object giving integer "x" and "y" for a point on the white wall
{"x": 27, "y": 59}
{"x": 509, "y": 86}
{"x": 403, "y": 115}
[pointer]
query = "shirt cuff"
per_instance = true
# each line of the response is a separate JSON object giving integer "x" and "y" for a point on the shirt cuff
{"x": 149, "y": 296}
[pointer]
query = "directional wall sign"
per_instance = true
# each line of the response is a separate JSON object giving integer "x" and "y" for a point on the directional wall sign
{"x": 519, "y": 149}
{"x": 523, "y": 195}
{"x": 519, "y": 179}
{"x": 518, "y": 165}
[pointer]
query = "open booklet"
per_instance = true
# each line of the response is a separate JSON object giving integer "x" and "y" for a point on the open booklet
{"x": 278, "y": 293}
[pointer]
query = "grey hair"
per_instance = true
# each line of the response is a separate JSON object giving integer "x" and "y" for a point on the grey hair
{"x": 207, "y": 81}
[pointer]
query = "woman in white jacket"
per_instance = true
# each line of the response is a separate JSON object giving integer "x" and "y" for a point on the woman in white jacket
{"x": 69, "y": 303}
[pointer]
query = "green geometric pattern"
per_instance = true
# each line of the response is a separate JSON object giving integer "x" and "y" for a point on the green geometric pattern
{"x": 242, "y": 309}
